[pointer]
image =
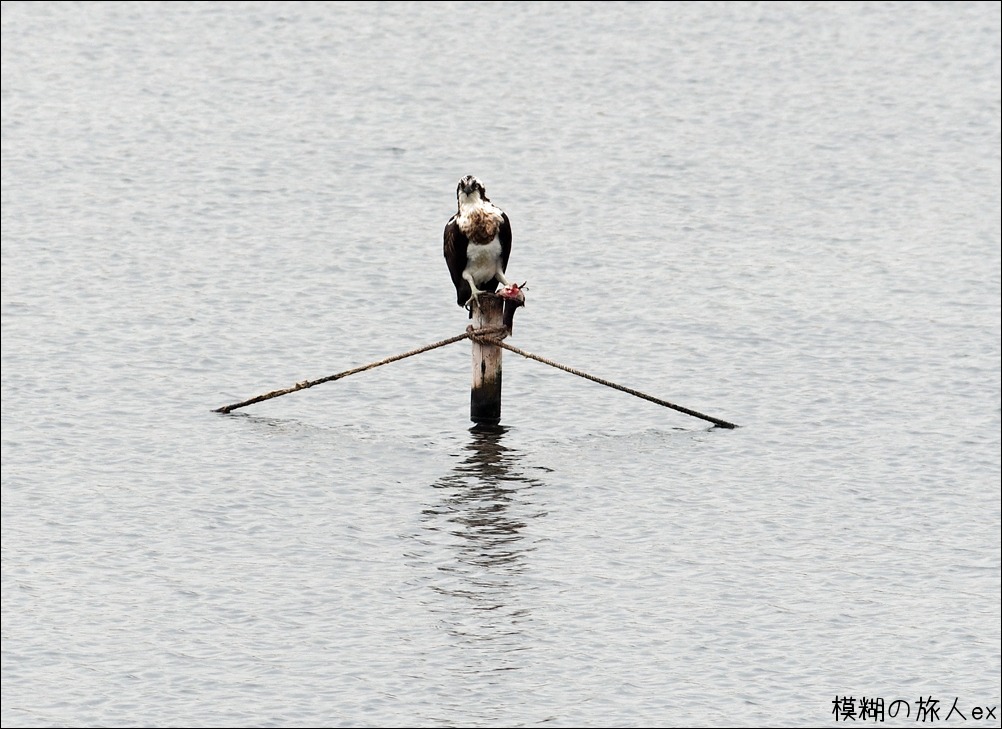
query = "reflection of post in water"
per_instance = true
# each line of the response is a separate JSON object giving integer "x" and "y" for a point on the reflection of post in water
{"x": 475, "y": 557}
{"x": 483, "y": 505}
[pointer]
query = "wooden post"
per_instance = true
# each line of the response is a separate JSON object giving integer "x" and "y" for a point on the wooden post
{"x": 485, "y": 393}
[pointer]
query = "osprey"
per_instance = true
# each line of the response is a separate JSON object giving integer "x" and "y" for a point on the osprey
{"x": 477, "y": 243}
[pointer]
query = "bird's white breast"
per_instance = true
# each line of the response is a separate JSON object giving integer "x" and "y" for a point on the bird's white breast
{"x": 482, "y": 262}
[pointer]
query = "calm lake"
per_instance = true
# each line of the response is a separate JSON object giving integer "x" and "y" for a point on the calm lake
{"x": 785, "y": 215}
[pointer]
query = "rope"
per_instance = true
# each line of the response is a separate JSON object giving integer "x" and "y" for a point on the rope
{"x": 330, "y": 378}
{"x": 481, "y": 336}
{"x": 504, "y": 345}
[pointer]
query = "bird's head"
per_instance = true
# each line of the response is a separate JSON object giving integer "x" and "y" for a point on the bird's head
{"x": 470, "y": 191}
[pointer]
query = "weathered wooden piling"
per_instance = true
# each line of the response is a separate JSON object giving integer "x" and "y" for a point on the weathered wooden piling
{"x": 485, "y": 392}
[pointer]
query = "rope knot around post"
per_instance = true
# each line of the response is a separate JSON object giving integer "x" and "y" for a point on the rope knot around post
{"x": 487, "y": 335}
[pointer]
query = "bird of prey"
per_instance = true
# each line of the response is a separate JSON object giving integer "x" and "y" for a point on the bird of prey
{"x": 477, "y": 243}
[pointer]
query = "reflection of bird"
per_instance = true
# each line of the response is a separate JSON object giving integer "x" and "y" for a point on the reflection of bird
{"x": 477, "y": 243}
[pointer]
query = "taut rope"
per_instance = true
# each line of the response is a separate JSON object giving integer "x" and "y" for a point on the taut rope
{"x": 330, "y": 378}
{"x": 607, "y": 383}
{"x": 484, "y": 336}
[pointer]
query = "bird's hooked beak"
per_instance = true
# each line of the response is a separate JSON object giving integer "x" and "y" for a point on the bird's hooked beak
{"x": 468, "y": 184}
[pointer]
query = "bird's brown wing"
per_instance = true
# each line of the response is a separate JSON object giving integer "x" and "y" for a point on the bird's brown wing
{"x": 505, "y": 235}
{"x": 455, "y": 244}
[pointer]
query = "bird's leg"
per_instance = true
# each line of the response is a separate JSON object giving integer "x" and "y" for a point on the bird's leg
{"x": 474, "y": 291}
{"x": 500, "y": 277}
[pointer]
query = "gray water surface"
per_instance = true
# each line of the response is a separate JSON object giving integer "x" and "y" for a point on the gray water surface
{"x": 783, "y": 215}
